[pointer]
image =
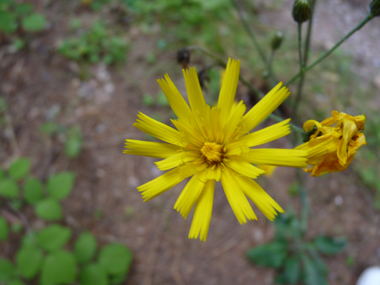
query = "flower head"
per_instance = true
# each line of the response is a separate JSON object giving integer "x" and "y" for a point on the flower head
{"x": 332, "y": 148}
{"x": 214, "y": 144}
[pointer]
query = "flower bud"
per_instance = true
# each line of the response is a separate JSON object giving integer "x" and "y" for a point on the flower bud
{"x": 375, "y": 7}
{"x": 301, "y": 11}
{"x": 277, "y": 40}
{"x": 183, "y": 57}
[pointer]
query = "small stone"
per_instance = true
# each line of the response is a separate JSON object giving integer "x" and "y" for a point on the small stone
{"x": 338, "y": 200}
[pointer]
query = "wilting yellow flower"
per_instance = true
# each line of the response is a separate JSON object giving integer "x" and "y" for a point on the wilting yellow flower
{"x": 212, "y": 144}
{"x": 331, "y": 149}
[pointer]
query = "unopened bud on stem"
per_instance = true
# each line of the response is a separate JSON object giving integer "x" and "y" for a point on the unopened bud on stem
{"x": 277, "y": 40}
{"x": 301, "y": 11}
{"x": 375, "y": 7}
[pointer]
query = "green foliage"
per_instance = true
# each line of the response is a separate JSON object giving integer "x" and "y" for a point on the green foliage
{"x": 60, "y": 185}
{"x": 19, "y": 168}
{"x": 95, "y": 45}
{"x": 59, "y": 268}
{"x": 3, "y": 229}
{"x": 85, "y": 248}
{"x": 43, "y": 255}
{"x": 29, "y": 260}
{"x": 14, "y": 15}
{"x": 297, "y": 260}
{"x": 49, "y": 209}
{"x": 53, "y": 238}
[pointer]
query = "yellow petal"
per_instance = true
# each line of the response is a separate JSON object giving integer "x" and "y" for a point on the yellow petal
{"x": 194, "y": 91}
{"x": 243, "y": 167}
{"x": 233, "y": 121}
{"x": 235, "y": 196}
{"x": 174, "y": 161}
{"x": 276, "y": 157}
{"x": 229, "y": 85}
{"x": 190, "y": 194}
{"x": 175, "y": 99}
{"x": 349, "y": 129}
{"x": 261, "y": 199}
{"x": 265, "y": 107}
{"x": 158, "y": 130}
{"x": 164, "y": 182}
{"x": 202, "y": 212}
{"x": 151, "y": 149}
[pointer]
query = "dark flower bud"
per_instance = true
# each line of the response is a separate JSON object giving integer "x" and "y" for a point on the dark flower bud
{"x": 183, "y": 57}
{"x": 301, "y": 11}
{"x": 375, "y": 7}
{"x": 277, "y": 40}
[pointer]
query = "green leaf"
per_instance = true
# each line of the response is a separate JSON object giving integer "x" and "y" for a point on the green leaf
{"x": 60, "y": 184}
{"x": 8, "y": 188}
{"x": 34, "y": 23}
{"x": 53, "y": 237}
{"x": 85, "y": 247}
{"x": 117, "y": 279}
{"x": 33, "y": 190}
{"x": 2, "y": 174}
{"x": 4, "y": 230}
{"x": 49, "y": 209}
{"x": 29, "y": 260}
{"x": 311, "y": 271}
{"x": 48, "y": 128}
{"x": 115, "y": 258}
{"x": 3, "y": 105}
{"x": 268, "y": 255}
{"x": 161, "y": 100}
{"x": 73, "y": 144}
{"x": 93, "y": 274}
{"x": 16, "y": 282}
{"x": 329, "y": 245}
{"x": 148, "y": 100}
{"x": 281, "y": 279}
{"x": 7, "y": 270}
{"x": 59, "y": 268}
{"x": 292, "y": 270}
{"x": 19, "y": 168}
{"x": 8, "y": 22}
{"x": 24, "y": 9}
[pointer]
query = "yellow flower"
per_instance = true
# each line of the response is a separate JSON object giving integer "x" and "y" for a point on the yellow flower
{"x": 331, "y": 149}
{"x": 212, "y": 144}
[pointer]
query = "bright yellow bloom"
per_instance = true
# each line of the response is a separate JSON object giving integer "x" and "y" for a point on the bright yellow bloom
{"x": 331, "y": 149}
{"x": 212, "y": 144}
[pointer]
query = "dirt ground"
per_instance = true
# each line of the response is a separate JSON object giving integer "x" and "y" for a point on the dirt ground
{"x": 37, "y": 80}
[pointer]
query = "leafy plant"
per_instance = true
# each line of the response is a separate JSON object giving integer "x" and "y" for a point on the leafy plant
{"x": 295, "y": 259}
{"x": 14, "y": 15}
{"x": 95, "y": 45}
{"x": 44, "y": 254}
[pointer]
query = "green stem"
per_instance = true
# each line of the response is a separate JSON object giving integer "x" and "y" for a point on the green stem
{"x": 300, "y": 84}
{"x": 358, "y": 27}
{"x": 308, "y": 35}
{"x": 249, "y": 32}
{"x": 272, "y": 82}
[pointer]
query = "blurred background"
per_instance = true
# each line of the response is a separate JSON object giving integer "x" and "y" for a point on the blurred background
{"x": 74, "y": 74}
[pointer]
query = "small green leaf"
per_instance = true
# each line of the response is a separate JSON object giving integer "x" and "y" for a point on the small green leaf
{"x": 16, "y": 227}
{"x": 117, "y": 279}
{"x": 4, "y": 230}
{"x": 73, "y": 144}
{"x": 7, "y": 270}
{"x": 33, "y": 190}
{"x": 281, "y": 279}
{"x": 93, "y": 274}
{"x": 3, "y": 104}
{"x": 19, "y": 168}
{"x": 48, "y": 128}
{"x": 60, "y": 185}
{"x": 162, "y": 100}
{"x": 24, "y": 9}
{"x": 85, "y": 247}
{"x": 148, "y": 100}
{"x": 53, "y": 237}
{"x": 8, "y": 188}
{"x": 268, "y": 255}
{"x": 329, "y": 245}
{"x": 292, "y": 270}
{"x": 8, "y": 22}
{"x": 29, "y": 260}
{"x": 2, "y": 174}
{"x": 59, "y": 268}
{"x": 34, "y": 23}
{"x": 311, "y": 271}
{"x": 115, "y": 258}
{"x": 49, "y": 209}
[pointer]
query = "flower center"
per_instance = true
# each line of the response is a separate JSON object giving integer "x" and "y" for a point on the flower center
{"x": 213, "y": 152}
